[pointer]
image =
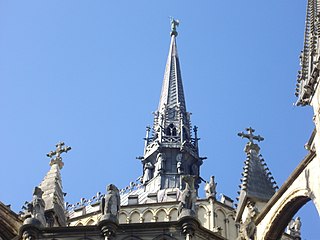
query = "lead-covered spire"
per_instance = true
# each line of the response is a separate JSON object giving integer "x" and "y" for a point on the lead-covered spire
{"x": 172, "y": 95}
{"x": 171, "y": 151}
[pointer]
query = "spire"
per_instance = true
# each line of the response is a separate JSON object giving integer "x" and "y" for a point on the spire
{"x": 171, "y": 152}
{"x": 309, "y": 57}
{"x": 257, "y": 184}
{"x": 172, "y": 90}
{"x": 51, "y": 185}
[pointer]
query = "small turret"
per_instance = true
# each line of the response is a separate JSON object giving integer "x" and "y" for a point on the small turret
{"x": 257, "y": 184}
{"x": 51, "y": 186}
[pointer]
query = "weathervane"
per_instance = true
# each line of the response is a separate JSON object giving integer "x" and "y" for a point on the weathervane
{"x": 174, "y": 24}
{"x": 250, "y": 135}
{"x": 55, "y": 155}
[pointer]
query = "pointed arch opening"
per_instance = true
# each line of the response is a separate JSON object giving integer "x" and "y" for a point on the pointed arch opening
{"x": 284, "y": 217}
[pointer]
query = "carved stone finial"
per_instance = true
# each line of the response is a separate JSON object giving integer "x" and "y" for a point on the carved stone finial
{"x": 174, "y": 24}
{"x": 56, "y": 155}
{"x": 251, "y": 145}
{"x": 210, "y": 188}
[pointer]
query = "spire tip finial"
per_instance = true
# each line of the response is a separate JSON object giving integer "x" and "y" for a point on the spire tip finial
{"x": 174, "y": 24}
{"x": 55, "y": 155}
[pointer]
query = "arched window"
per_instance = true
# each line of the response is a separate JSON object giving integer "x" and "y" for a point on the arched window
{"x": 171, "y": 130}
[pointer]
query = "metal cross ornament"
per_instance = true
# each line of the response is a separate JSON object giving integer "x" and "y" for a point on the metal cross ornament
{"x": 250, "y": 135}
{"x": 60, "y": 148}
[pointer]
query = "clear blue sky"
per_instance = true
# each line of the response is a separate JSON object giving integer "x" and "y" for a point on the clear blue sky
{"x": 90, "y": 73}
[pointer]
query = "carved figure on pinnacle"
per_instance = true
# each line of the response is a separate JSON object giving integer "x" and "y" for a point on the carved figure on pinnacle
{"x": 174, "y": 24}
{"x": 210, "y": 188}
{"x": 110, "y": 204}
{"x": 35, "y": 209}
{"x": 188, "y": 198}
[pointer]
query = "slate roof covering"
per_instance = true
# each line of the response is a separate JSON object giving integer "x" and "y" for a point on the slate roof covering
{"x": 257, "y": 180}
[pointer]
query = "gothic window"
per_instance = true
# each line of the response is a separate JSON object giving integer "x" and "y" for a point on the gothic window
{"x": 171, "y": 130}
{"x": 174, "y": 131}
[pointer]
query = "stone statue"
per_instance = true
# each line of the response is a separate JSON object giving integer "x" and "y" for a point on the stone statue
{"x": 36, "y": 207}
{"x": 179, "y": 163}
{"x": 160, "y": 164}
{"x": 188, "y": 198}
{"x": 248, "y": 228}
{"x": 174, "y": 24}
{"x": 195, "y": 169}
{"x": 147, "y": 175}
{"x": 295, "y": 227}
{"x": 210, "y": 188}
{"x": 110, "y": 203}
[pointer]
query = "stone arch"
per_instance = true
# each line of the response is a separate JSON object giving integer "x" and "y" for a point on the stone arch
{"x": 173, "y": 214}
{"x": 90, "y": 222}
{"x": 161, "y": 215}
{"x": 203, "y": 216}
{"x": 123, "y": 218}
{"x": 131, "y": 238}
{"x": 134, "y": 217}
{"x": 148, "y": 216}
{"x": 78, "y": 224}
{"x": 164, "y": 237}
{"x": 285, "y": 212}
{"x": 220, "y": 220}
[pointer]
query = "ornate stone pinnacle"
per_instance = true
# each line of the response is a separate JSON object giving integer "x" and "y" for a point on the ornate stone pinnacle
{"x": 250, "y": 135}
{"x": 174, "y": 24}
{"x": 55, "y": 155}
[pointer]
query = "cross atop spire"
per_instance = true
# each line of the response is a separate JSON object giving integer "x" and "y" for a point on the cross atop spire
{"x": 60, "y": 148}
{"x": 250, "y": 135}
